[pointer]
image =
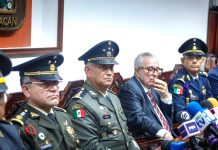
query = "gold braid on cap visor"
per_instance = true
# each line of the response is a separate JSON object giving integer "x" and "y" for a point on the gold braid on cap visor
{"x": 99, "y": 58}
{"x": 40, "y": 73}
{"x": 2, "y": 80}
{"x": 192, "y": 51}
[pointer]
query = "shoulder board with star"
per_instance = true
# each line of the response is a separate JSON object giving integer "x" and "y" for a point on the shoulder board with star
{"x": 59, "y": 109}
{"x": 20, "y": 118}
{"x": 204, "y": 74}
{"x": 111, "y": 91}
{"x": 80, "y": 94}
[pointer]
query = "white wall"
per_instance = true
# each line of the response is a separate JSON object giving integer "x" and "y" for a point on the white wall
{"x": 156, "y": 26}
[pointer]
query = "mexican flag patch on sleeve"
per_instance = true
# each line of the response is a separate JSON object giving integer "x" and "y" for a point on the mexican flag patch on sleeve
{"x": 177, "y": 89}
{"x": 79, "y": 113}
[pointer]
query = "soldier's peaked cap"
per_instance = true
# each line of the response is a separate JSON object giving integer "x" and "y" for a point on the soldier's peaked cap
{"x": 42, "y": 68}
{"x": 193, "y": 46}
{"x": 5, "y": 69}
{"x": 102, "y": 53}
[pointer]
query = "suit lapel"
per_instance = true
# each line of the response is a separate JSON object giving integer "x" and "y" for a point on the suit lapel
{"x": 146, "y": 98}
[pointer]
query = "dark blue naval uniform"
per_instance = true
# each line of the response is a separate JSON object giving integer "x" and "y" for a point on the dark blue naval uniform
{"x": 185, "y": 89}
{"x": 9, "y": 137}
{"x": 213, "y": 79}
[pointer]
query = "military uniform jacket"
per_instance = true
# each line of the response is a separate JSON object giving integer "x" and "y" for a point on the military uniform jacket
{"x": 213, "y": 79}
{"x": 9, "y": 137}
{"x": 99, "y": 122}
{"x": 185, "y": 89}
{"x": 39, "y": 132}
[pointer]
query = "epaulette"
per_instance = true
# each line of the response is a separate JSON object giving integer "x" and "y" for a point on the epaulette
{"x": 182, "y": 79}
{"x": 80, "y": 94}
{"x": 59, "y": 109}
{"x": 20, "y": 118}
{"x": 111, "y": 92}
{"x": 204, "y": 74}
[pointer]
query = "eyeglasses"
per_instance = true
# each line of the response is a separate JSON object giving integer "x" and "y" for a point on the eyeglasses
{"x": 46, "y": 85}
{"x": 152, "y": 70}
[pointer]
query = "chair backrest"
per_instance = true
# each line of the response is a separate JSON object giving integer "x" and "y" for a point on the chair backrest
{"x": 15, "y": 101}
{"x": 69, "y": 91}
{"x": 117, "y": 82}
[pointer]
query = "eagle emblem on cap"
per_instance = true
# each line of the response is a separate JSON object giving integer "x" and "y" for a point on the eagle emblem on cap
{"x": 109, "y": 54}
{"x": 52, "y": 67}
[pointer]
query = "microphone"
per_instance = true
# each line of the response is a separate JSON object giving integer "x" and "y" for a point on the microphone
{"x": 214, "y": 109}
{"x": 203, "y": 117}
{"x": 210, "y": 103}
{"x": 188, "y": 128}
{"x": 170, "y": 145}
{"x": 213, "y": 102}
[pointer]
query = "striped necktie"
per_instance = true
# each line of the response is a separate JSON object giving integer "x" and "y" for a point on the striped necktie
{"x": 158, "y": 112}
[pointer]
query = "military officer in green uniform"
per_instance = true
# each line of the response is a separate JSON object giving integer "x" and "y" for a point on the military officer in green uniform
{"x": 95, "y": 111}
{"x": 9, "y": 135}
{"x": 41, "y": 123}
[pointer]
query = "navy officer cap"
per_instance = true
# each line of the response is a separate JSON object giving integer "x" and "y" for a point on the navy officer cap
{"x": 5, "y": 69}
{"x": 42, "y": 68}
{"x": 193, "y": 46}
{"x": 102, "y": 53}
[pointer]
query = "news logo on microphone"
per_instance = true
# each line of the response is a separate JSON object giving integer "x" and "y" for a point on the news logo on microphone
{"x": 188, "y": 129}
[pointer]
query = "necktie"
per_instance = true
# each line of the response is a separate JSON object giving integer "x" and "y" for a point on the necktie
{"x": 52, "y": 117}
{"x": 158, "y": 112}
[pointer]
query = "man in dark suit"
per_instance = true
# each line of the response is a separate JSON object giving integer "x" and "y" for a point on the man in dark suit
{"x": 189, "y": 84}
{"x": 146, "y": 100}
{"x": 9, "y": 135}
{"x": 41, "y": 123}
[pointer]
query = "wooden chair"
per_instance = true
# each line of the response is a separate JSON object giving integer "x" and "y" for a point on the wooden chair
{"x": 117, "y": 82}
{"x": 71, "y": 89}
{"x": 15, "y": 101}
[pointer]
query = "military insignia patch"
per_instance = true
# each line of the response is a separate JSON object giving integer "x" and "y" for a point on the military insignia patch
{"x": 177, "y": 89}
{"x": 46, "y": 145}
{"x": 79, "y": 113}
{"x": 34, "y": 115}
{"x": 70, "y": 130}
{"x": 101, "y": 107}
{"x": 30, "y": 130}
{"x": 77, "y": 106}
{"x": 204, "y": 90}
{"x": 41, "y": 136}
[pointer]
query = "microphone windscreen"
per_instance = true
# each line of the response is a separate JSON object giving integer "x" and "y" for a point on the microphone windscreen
{"x": 213, "y": 102}
{"x": 206, "y": 104}
{"x": 182, "y": 116}
{"x": 193, "y": 108}
{"x": 165, "y": 145}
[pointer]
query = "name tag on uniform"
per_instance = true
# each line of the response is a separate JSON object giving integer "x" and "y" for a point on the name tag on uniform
{"x": 106, "y": 115}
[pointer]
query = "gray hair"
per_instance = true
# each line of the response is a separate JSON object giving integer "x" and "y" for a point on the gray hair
{"x": 25, "y": 80}
{"x": 139, "y": 58}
